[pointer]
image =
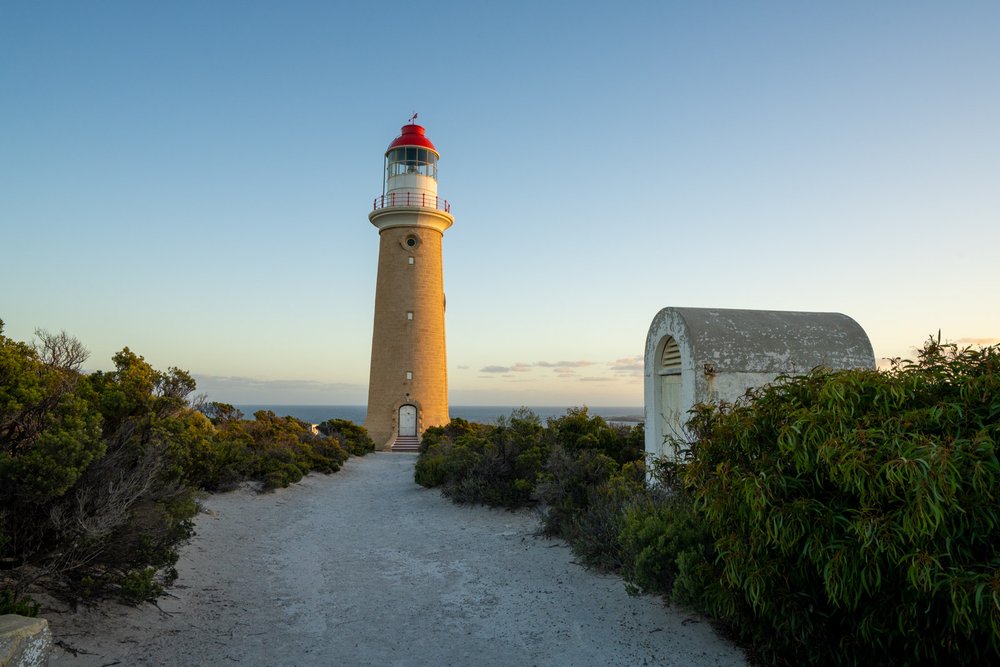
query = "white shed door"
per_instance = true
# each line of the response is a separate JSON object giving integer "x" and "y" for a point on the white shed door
{"x": 670, "y": 407}
{"x": 408, "y": 420}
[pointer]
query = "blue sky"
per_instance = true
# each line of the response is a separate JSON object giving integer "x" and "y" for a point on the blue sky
{"x": 192, "y": 180}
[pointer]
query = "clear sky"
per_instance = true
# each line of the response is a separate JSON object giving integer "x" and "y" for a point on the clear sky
{"x": 192, "y": 179}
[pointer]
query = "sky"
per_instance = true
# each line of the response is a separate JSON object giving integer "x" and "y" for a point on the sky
{"x": 192, "y": 180}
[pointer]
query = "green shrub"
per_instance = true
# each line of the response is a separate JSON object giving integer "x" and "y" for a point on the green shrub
{"x": 231, "y": 462}
{"x": 12, "y": 603}
{"x": 222, "y": 413}
{"x": 856, "y": 514}
{"x": 88, "y": 488}
{"x": 281, "y": 475}
{"x": 667, "y": 548}
{"x": 98, "y": 472}
{"x": 351, "y": 436}
{"x": 577, "y": 431}
{"x": 450, "y": 432}
{"x": 502, "y": 464}
{"x": 496, "y": 465}
{"x": 140, "y": 585}
{"x": 49, "y": 431}
{"x": 276, "y": 451}
{"x": 569, "y": 481}
{"x": 697, "y": 583}
{"x": 430, "y": 468}
{"x": 594, "y": 531}
{"x": 327, "y": 455}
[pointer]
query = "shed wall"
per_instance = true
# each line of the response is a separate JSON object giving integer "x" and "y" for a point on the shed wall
{"x": 724, "y": 352}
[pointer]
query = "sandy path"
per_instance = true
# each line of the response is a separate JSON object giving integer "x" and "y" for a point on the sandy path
{"x": 366, "y": 568}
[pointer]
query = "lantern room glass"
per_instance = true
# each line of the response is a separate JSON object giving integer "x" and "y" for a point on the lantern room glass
{"x": 411, "y": 160}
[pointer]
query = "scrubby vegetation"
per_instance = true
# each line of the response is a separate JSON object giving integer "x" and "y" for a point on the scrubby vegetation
{"x": 835, "y": 518}
{"x": 351, "y": 437}
{"x": 501, "y": 464}
{"x": 856, "y": 515}
{"x": 580, "y": 469}
{"x": 493, "y": 464}
{"x": 98, "y": 472}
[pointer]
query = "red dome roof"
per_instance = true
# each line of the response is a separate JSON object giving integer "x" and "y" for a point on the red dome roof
{"x": 412, "y": 135}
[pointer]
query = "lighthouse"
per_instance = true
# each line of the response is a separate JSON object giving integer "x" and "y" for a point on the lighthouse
{"x": 408, "y": 384}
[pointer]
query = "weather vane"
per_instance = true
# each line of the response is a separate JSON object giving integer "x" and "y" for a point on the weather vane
{"x": 413, "y": 117}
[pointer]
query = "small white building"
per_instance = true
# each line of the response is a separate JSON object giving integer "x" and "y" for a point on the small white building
{"x": 702, "y": 355}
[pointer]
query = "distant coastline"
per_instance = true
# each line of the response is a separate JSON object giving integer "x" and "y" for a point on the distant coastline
{"x": 484, "y": 414}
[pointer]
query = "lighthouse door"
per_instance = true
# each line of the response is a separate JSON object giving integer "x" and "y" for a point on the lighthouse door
{"x": 408, "y": 420}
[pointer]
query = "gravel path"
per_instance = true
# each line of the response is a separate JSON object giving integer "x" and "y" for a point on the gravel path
{"x": 364, "y": 567}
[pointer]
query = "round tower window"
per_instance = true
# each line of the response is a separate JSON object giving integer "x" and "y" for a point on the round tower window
{"x": 410, "y": 242}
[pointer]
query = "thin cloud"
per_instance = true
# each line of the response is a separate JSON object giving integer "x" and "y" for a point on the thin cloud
{"x": 626, "y": 367}
{"x": 311, "y": 385}
{"x": 633, "y": 363}
{"x": 978, "y": 341}
{"x": 462, "y": 368}
{"x": 564, "y": 364}
{"x": 522, "y": 367}
{"x": 629, "y": 368}
{"x": 634, "y": 359}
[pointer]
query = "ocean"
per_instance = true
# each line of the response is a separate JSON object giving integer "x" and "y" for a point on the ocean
{"x": 483, "y": 414}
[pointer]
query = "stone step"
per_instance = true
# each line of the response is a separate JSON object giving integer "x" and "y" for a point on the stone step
{"x": 406, "y": 443}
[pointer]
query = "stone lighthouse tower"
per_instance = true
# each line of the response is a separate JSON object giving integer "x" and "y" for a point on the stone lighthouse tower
{"x": 408, "y": 385}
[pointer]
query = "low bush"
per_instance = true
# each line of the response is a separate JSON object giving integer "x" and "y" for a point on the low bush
{"x": 429, "y": 470}
{"x": 569, "y": 483}
{"x": 351, "y": 437}
{"x": 450, "y": 432}
{"x": 88, "y": 489}
{"x": 492, "y": 464}
{"x": 503, "y": 464}
{"x": 143, "y": 585}
{"x": 579, "y": 431}
{"x": 595, "y": 530}
{"x": 98, "y": 473}
{"x": 276, "y": 451}
{"x": 668, "y": 550}
{"x": 439, "y": 462}
{"x": 11, "y": 603}
{"x": 856, "y": 515}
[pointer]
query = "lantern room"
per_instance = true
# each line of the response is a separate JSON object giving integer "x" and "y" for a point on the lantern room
{"x": 411, "y": 162}
{"x": 411, "y": 173}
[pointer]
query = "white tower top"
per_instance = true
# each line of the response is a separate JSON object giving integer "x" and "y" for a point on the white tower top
{"x": 410, "y": 184}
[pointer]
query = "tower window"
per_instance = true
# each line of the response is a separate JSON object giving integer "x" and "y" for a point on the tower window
{"x": 411, "y": 241}
{"x": 409, "y": 260}
{"x": 409, "y": 314}
{"x": 409, "y": 375}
